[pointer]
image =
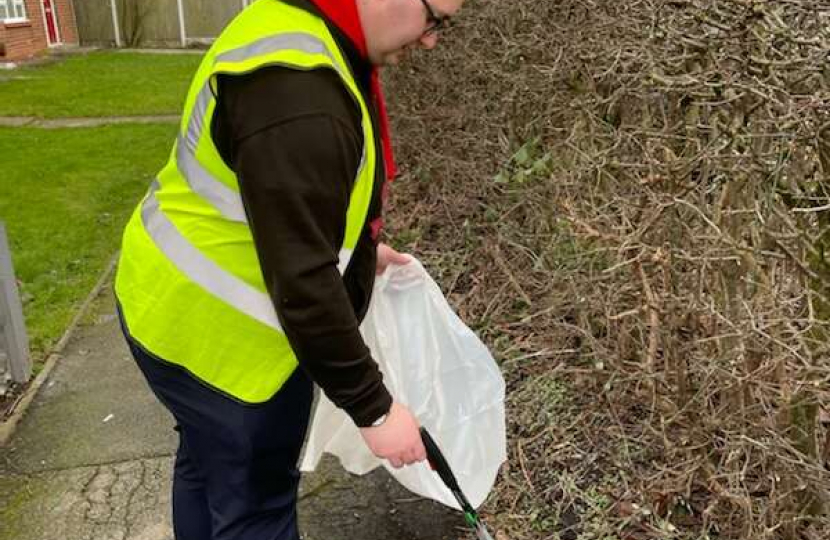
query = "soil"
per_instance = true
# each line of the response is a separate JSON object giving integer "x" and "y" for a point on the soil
{"x": 9, "y": 401}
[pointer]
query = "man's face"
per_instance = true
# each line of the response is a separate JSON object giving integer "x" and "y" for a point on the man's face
{"x": 394, "y": 27}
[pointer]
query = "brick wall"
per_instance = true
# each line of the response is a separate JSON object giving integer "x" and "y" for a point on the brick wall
{"x": 25, "y": 39}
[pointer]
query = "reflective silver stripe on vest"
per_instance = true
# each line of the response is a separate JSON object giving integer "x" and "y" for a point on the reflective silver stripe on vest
{"x": 344, "y": 257}
{"x": 299, "y": 41}
{"x": 226, "y": 200}
{"x": 185, "y": 256}
{"x": 203, "y": 271}
{"x": 197, "y": 119}
{"x": 206, "y": 273}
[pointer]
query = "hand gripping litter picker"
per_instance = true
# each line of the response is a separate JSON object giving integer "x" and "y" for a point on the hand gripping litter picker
{"x": 439, "y": 464}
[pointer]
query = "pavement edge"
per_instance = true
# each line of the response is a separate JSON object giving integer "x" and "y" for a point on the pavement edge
{"x": 7, "y": 427}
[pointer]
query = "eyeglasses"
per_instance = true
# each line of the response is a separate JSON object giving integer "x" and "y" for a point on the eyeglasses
{"x": 435, "y": 22}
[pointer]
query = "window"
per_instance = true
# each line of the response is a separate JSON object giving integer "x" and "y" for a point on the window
{"x": 12, "y": 10}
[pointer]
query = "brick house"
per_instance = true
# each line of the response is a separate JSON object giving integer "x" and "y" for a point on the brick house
{"x": 28, "y": 27}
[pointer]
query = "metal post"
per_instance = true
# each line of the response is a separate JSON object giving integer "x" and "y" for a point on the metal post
{"x": 12, "y": 327}
{"x": 115, "y": 26}
{"x": 182, "y": 31}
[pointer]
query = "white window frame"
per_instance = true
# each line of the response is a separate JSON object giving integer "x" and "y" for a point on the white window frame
{"x": 10, "y": 10}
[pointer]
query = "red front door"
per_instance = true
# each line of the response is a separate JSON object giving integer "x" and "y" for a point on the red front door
{"x": 50, "y": 20}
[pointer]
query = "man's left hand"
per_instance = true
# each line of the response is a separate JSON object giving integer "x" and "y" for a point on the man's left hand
{"x": 387, "y": 256}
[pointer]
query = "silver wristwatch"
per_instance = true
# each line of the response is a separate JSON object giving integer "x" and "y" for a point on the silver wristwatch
{"x": 380, "y": 420}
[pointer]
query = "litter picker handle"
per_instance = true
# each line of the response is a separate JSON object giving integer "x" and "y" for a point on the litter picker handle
{"x": 439, "y": 463}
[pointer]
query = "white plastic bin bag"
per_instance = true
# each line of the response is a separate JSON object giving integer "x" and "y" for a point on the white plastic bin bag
{"x": 436, "y": 366}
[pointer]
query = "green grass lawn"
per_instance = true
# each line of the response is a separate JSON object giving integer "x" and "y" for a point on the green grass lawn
{"x": 99, "y": 84}
{"x": 65, "y": 196}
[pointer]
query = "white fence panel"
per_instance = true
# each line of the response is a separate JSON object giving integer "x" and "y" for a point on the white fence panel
{"x": 153, "y": 23}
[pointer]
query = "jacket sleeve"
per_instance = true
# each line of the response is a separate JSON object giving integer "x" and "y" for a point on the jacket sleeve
{"x": 296, "y": 158}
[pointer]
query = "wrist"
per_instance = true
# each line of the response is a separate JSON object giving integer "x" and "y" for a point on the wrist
{"x": 380, "y": 420}
{"x": 374, "y": 404}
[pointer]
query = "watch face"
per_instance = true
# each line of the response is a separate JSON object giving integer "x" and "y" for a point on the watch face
{"x": 379, "y": 421}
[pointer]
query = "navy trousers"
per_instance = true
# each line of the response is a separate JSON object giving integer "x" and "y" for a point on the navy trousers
{"x": 235, "y": 475}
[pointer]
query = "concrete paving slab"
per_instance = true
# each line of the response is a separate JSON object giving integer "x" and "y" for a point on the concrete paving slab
{"x": 108, "y": 502}
{"x": 60, "y": 123}
{"x": 131, "y": 501}
{"x": 17, "y": 121}
{"x": 94, "y": 408}
{"x": 92, "y": 459}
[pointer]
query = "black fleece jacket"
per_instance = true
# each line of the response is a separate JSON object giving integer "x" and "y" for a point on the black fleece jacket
{"x": 294, "y": 140}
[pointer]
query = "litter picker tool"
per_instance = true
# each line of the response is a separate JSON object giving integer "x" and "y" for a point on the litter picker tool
{"x": 439, "y": 464}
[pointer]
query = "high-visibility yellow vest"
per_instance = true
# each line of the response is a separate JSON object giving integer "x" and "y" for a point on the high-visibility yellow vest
{"x": 189, "y": 283}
